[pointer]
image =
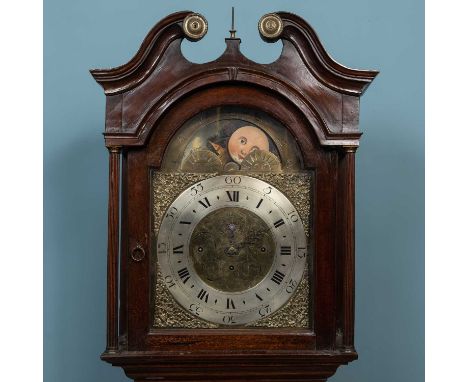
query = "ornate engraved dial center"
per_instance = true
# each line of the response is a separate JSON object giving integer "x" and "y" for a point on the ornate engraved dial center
{"x": 232, "y": 249}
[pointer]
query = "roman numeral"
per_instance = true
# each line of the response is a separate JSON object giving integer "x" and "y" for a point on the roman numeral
{"x": 184, "y": 274}
{"x": 278, "y": 223}
{"x": 277, "y": 277}
{"x": 261, "y": 299}
{"x": 179, "y": 249}
{"x": 205, "y": 203}
{"x": 285, "y": 250}
{"x": 230, "y": 304}
{"x": 203, "y": 295}
{"x": 260, "y": 202}
{"x": 233, "y": 196}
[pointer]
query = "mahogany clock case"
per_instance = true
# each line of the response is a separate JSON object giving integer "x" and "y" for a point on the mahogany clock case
{"x": 148, "y": 100}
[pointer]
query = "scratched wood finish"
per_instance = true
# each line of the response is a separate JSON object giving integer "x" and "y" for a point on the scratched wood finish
{"x": 147, "y": 100}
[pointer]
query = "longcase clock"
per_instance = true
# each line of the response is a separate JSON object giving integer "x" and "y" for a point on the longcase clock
{"x": 231, "y": 208}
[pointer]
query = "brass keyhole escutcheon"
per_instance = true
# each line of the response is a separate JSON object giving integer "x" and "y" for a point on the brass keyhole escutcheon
{"x": 138, "y": 253}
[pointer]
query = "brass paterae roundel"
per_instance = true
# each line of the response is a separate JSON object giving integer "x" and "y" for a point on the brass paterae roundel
{"x": 232, "y": 249}
{"x": 270, "y": 25}
{"x": 195, "y": 26}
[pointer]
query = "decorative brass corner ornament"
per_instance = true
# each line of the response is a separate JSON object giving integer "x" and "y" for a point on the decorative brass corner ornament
{"x": 195, "y": 26}
{"x": 270, "y": 26}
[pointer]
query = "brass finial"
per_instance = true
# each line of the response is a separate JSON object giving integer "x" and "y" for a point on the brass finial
{"x": 195, "y": 26}
{"x": 232, "y": 31}
{"x": 270, "y": 26}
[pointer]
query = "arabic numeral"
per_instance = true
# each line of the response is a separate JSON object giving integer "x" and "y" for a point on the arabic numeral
{"x": 293, "y": 216}
{"x": 232, "y": 179}
{"x": 291, "y": 286}
{"x": 162, "y": 248}
{"x": 301, "y": 252}
{"x": 196, "y": 309}
{"x": 169, "y": 281}
{"x": 171, "y": 213}
{"x": 229, "y": 319}
{"x": 196, "y": 189}
{"x": 267, "y": 190}
{"x": 264, "y": 310}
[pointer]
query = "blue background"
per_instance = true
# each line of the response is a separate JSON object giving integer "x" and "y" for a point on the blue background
{"x": 365, "y": 34}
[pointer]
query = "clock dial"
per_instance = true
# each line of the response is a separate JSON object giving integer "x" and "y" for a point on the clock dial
{"x": 232, "y": 249}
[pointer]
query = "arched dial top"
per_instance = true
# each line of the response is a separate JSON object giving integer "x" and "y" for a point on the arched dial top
{"x": 232, "y": 249}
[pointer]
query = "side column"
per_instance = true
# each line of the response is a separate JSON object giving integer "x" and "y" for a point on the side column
{"x": 113, "y": 249}
{"x": 348, "y": 246}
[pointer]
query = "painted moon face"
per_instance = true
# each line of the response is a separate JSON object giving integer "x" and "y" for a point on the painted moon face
{"x": 245, "y": 140}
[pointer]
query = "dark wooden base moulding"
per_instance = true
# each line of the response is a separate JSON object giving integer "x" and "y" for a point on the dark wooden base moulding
{"x": 230, "y": 367}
